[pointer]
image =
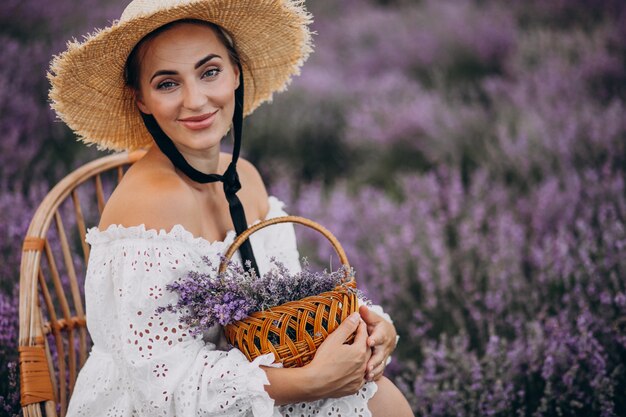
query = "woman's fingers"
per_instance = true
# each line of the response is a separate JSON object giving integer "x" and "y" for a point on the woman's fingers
{"x": 361, "y": 335}
{"x": 346, "y": 328}
{"x": 368, "y": 315}
{"x": 376, "y": 372}
{"x": 377, "y": 363}
{"x": 342, "y": 367}
{"x": 379, "y": 340}
{"x": 378, "y": 335}
{"x": 378, "y": 356}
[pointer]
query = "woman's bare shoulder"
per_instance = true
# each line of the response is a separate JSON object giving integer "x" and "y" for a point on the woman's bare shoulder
{"x": 150, "y": 195}
{"x": 153, "y": 194}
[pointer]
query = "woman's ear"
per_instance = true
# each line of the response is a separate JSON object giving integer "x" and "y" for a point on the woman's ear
{"x": 140, "y": 104}
{"x": 237, "y": 72}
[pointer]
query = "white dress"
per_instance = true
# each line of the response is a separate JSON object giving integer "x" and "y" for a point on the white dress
{"x": 146, "y": 364}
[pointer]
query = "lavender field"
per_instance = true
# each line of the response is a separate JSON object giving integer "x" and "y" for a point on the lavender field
{"x": 469, "y": 155}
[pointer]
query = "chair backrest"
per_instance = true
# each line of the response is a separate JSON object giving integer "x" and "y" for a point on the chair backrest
{"x": 53, "y": 341}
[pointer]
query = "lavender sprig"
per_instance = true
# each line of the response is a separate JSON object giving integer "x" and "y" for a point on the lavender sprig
{"x": 207, "y": 299}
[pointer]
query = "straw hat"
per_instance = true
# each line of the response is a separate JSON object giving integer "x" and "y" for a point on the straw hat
{"x": 88, "y": 89}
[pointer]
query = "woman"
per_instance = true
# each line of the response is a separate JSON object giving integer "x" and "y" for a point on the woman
{"x": 173, "y": 73}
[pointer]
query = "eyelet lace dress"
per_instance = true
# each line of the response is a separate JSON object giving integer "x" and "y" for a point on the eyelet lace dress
{"x": 147, "y": 364}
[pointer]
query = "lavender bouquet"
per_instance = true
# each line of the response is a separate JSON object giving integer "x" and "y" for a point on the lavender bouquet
{"x": 207, "y": 299}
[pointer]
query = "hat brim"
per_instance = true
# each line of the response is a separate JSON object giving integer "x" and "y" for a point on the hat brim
{"x": 89, "y": 93}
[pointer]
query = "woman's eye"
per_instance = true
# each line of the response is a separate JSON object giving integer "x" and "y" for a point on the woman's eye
{"x": 211, "y": 73}
{"x": 166, "y": 85}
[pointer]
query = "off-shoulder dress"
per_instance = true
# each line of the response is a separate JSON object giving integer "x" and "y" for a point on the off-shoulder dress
{"x": 146, "y": 364}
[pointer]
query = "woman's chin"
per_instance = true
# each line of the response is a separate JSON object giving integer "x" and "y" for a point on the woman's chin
{"x": 198, "y": 140}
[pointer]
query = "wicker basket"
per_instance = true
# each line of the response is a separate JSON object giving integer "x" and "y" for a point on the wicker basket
{"x": 294, "y": 330}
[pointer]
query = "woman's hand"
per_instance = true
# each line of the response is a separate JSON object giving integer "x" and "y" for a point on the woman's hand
{"x": 338, "y": 369}
{"x": 381, "y": 340}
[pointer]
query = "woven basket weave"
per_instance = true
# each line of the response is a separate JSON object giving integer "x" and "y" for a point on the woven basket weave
{"x": 294, "y": 330}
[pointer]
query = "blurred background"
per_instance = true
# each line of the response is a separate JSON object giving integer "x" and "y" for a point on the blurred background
{"x": 470, "y": 155}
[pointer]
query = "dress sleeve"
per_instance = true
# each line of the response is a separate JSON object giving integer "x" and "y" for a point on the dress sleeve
{"x": 168, "y": 371}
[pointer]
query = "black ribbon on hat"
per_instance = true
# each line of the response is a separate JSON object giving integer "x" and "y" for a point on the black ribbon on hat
{"x": 230, "y": 178}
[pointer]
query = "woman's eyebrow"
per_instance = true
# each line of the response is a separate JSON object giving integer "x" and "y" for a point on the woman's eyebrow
{"x": 196, "y": 66}
{"x": 163, "y": 72}
{"x": 205, "y": 60}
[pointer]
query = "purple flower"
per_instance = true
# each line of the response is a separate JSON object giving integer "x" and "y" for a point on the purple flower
{"x": 205, "y": 300}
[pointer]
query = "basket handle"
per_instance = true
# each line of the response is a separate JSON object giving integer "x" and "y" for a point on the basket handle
{"x": 289, "y": 219}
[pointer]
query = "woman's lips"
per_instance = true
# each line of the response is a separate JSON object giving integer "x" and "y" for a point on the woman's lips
{"x": 198, "y": 122}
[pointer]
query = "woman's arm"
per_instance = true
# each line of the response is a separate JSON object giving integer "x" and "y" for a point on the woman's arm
{"x": 289, "y": 385}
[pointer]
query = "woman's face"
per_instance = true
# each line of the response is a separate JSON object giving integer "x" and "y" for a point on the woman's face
{"x": 187, "y": 82}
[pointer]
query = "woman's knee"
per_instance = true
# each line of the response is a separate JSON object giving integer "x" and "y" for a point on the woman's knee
{"x": 389, "y": 401}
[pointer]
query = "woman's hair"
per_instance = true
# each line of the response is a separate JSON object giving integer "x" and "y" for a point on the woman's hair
{"x": 133, "y": 62}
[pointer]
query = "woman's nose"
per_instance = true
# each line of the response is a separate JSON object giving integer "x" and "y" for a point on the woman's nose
{"x": 193, "y": 98}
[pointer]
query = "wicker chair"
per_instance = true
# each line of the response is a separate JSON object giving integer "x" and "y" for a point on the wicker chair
{"x": 53, "y": 341}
